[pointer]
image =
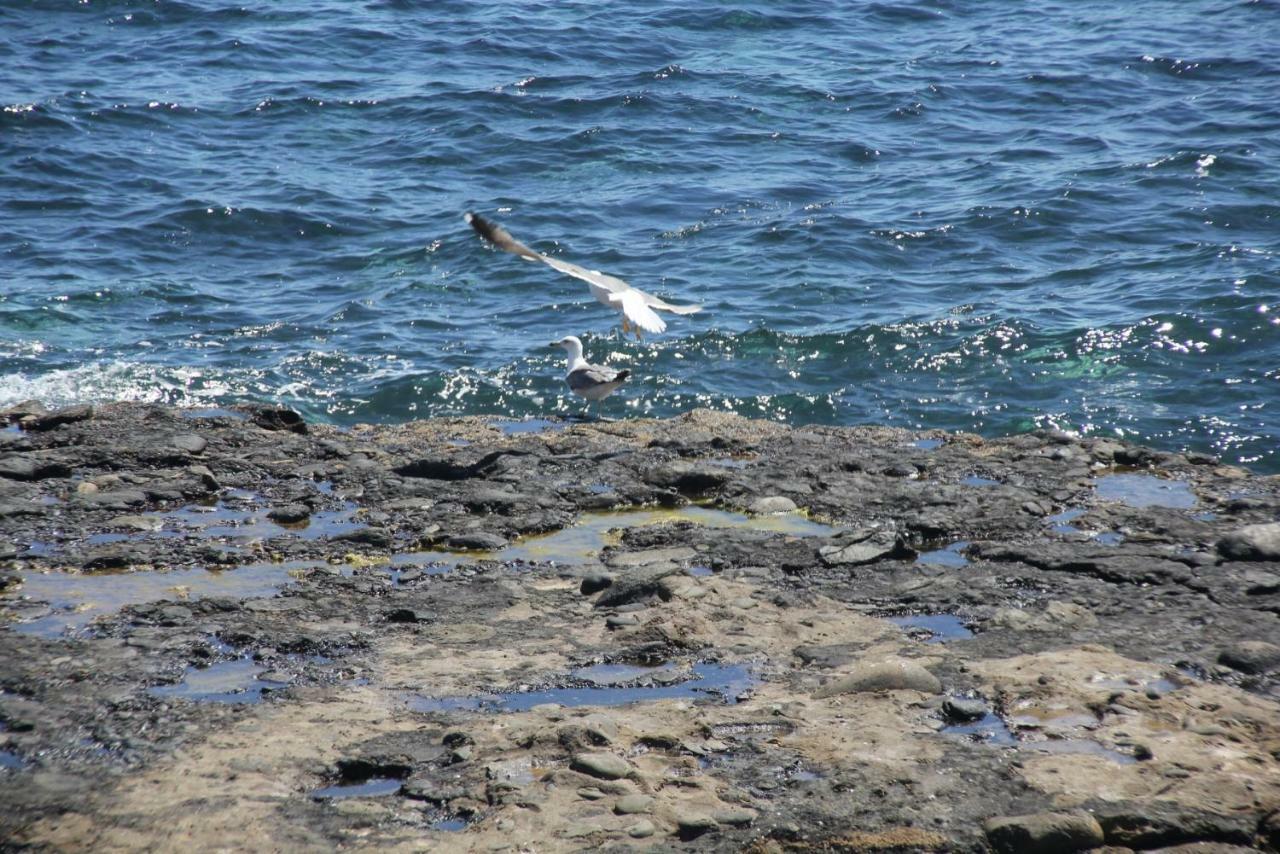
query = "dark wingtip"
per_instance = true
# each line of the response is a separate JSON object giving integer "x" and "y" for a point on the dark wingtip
{"x": 483, "y": 227}
{"x": 623, "y": 374}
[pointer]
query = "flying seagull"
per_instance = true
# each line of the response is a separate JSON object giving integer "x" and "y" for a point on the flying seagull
{"x": 594, "y": 382}
{"x": 635, "y": 306}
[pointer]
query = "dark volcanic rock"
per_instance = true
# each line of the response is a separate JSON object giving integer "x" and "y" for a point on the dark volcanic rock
{"x": 867, "y": 545}
{"x": 477, "y": 541}
{"x": 289, "y": 514}
{"x": 269, "y": 418}
{"x": 688, "y": 478}
{"x": 18, "y": 468}
{"x": 637, "y": 584}
{"x": 965, "y": 708}
{"x": 67, "y": 415}
{"x": 595, "y": 582}
{"x": 1251, "y": 656}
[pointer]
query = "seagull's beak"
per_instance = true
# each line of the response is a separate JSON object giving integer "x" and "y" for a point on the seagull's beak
{"x": 554, "y": 344}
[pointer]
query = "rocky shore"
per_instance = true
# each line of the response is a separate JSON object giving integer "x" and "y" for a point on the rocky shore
{"x": 229, "y": 629}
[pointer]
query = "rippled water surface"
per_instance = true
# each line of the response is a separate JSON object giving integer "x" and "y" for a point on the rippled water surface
{"x": 976, "y": 215}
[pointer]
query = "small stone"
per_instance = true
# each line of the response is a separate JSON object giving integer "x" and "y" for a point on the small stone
{"x": 892, "y": 675}
{"x": 633, "y": 804}
{"x": 735, "y": 817}
{"x": 379, "y": 538}
{"x": 1252, "y": 542}
{"x": 965, "y": 708}
{"x": 410, "y": 575}
{"x": 138, "y": 523}
{"x": 1251, "y": 656}
{"x": 1048, "y": 833}
{"x": 642, "y": 829}
{"x": 692, "y": 825}
{"x": 864, "y": 546}
{"x": 622, "y": 621}
{"x": 636, "y": 585}
{"x": 744, "y": 603}
{"x": 591, "y": 793}
{"x": 289, "y": 514}
{"x": 118, "y": 498}
{"x": 477, "y": 541}
{"x": 603, "y": 765}
{"x": 190, "y": 443}
{"x": 594, "y": 582}
{"x": 772, "y": 504}
{"x": 18, "y": 468}
{"x": 407, "y": 615}
{"x": 457, "y": 738}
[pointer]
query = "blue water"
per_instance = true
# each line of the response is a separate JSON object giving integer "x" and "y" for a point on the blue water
{"x": 989, "y": 216}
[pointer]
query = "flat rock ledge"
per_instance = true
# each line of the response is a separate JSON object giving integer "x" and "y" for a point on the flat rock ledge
{"x": 231, "y": 628}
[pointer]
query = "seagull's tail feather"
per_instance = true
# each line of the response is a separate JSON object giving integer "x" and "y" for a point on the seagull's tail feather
{"x": 499, "y": 237}
{"x": 663, "y": 305}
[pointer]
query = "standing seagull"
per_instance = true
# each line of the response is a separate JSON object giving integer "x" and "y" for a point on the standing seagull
{"x": 594, "y": 382}
{"x": 635, "y": 306}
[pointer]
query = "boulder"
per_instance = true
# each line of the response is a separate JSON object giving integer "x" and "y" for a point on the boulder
{"x": 1044, "y": 833}
{"x": 888, "y": 675}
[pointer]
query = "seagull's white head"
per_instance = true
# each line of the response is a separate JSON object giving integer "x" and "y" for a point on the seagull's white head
{"x": 572, "y": 346}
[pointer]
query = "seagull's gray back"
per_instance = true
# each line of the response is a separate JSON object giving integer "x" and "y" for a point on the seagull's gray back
{"x": 594, "y": 376}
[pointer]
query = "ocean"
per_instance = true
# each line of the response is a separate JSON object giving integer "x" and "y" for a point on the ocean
{"x": 975, "y": 215}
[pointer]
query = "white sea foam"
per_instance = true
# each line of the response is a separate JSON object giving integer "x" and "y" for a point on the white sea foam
{"x": 131, "y": 381}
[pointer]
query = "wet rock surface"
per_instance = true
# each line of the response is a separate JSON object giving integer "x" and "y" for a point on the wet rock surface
{"x": 234, "y": 629}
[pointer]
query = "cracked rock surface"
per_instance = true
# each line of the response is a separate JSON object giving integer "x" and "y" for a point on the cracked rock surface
{"x": 233, "y": 629}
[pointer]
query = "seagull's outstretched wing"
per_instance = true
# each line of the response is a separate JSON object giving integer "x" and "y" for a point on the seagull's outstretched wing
{"x": 499, "y": 237}
{"x": 662, "y": 305}
{"x": 637, "y": 305}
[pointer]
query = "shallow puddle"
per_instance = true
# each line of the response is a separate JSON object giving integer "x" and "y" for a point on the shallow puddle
{"x": 233, "y": 681}
{"x": 976, "y": 480}
{"x": 1109, "y": 538}
{"x": 990, "y": 729}
{"x": 11, "y": 761}
{"x": 427, "y": 562}
{"x": 723, "y": 682}
{"x": 950, "y": 556}
{"x": 587, "y": 537}
{"x": 376, "y": 787}
{"x": 449, "y": 825}
{"x": 74, "y": 600}
{"x": 1060, "y": 523}
{"x": 1144, "y": 490}
{"x": 928, "y": 444}
{"x": 221, "y": 520}
{"x": 529, "y": 425}
{"x": 1080, "y": 746}
{"x": 940, "y": 627}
